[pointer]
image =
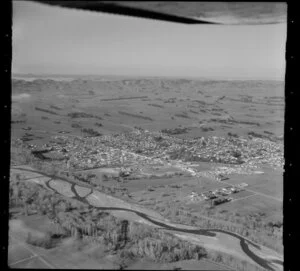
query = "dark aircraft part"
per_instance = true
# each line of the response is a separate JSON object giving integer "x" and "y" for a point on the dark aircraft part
{"x": 229, "y": 13}
{"x": 117, "y": 9}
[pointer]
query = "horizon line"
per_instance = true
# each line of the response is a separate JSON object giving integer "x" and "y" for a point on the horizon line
{"x": 221, "y": 78}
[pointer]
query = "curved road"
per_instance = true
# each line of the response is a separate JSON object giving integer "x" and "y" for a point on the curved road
{"x": 208, "y": 232}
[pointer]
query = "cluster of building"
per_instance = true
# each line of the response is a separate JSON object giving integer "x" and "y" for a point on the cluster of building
{"x": 214, "y": 149}
{"x": 217, "y": 196}
{"x": 142, "y": 147}
{"x": 85, "y": 153}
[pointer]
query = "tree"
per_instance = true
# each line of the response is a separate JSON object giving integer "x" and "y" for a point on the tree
{"x": 244, "y": 264}
{"x": 89, "y": 229}
{"x": 219, "y": 258}
{"x": 105, "y": 177}
{"x": 26, "y": 208}
{"x": 18, "y": 177}
{"x": 16, "y": 193}
{"x": 53, "y": 203}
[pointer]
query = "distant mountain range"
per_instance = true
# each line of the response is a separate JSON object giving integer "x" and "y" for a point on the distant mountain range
{"x": 70, "y": 77}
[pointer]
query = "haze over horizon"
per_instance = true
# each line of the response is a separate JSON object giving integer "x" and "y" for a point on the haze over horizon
{"x": 52, "y": 40}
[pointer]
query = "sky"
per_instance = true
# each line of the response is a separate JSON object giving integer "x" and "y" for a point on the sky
{"x": 54, "y": 40}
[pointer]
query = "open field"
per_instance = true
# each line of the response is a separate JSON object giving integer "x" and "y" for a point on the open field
{"x": 221, "y": 106}
{"x": 257, "y": 203}
{"x": 269, "y": 182}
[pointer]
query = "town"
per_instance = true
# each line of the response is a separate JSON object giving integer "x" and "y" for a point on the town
{"x": 154, "y": 147}
{"x": 130, "y": 152}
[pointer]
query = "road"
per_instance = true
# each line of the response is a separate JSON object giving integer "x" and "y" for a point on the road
{"x": 21, "y": 262}
{"x": 118, "y": 205}
{"x": 200, "y": 174}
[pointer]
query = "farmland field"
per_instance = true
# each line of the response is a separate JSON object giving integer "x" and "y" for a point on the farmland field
{"x": 26, "y": 98}
{"x": 269, "y": 182}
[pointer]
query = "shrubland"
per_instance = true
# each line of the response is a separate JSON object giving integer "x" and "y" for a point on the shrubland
{"x": 86, "y": 222}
